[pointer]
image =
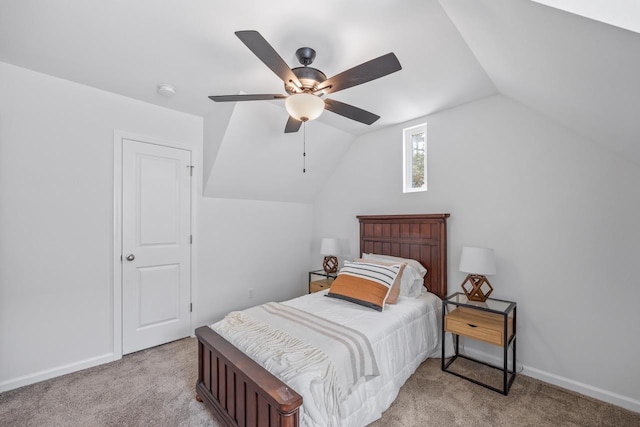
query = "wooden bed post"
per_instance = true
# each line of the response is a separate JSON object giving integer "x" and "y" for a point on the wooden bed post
{"x": 238, "y": 390}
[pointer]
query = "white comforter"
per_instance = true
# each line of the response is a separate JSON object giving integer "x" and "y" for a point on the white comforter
{"x": 402, "y": 337}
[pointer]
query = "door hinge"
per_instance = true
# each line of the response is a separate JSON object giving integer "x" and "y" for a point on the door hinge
{"x": 191, "y": 239}
{"x": 191, "y": 170}
{"x": 191, "y": 307}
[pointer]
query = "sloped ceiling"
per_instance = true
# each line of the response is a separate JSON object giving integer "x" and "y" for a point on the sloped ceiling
{"x": 620, "y": 13}
{"x": 257, "y": 161}
{"x": 129, "y": 47}
{"x": 576, "y": 71}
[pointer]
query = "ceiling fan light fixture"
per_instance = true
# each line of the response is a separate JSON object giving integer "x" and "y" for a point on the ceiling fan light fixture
{"x": 304, "y": 106}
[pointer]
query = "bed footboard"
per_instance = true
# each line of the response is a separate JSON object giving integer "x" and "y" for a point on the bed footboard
{"x": 239, "y": 391}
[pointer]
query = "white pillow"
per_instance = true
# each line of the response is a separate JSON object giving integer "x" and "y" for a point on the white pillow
{"x": 411, "y": 282}
{"x": 412, "y": 262}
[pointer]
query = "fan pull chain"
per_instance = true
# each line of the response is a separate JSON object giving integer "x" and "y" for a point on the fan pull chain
{"x": 304, "y": 147}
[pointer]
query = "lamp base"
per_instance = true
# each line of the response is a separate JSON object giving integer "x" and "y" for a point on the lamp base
{"x": 330, "y": 264}
{"x": 476, "y": 287}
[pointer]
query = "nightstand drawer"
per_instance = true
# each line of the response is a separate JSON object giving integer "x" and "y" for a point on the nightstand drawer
{"x": 477, "y": 324}
{"x": 320, "y": 285}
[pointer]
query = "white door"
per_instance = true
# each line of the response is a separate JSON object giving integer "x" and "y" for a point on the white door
{"x": 156, "y": 252}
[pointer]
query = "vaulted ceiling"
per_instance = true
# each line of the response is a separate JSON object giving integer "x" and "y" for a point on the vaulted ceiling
{"x": 577, "y": 71}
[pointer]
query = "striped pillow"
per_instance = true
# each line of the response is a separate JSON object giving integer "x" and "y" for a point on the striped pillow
{"x": 365, "y": 284}
{"x": 396, "y": 288}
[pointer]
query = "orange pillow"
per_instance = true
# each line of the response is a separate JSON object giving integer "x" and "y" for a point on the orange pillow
{"x": 366, "y": 284}
{"x": 395, "y": 288}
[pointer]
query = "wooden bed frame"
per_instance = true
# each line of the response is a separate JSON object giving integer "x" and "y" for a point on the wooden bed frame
{"x": 241, "y": 393}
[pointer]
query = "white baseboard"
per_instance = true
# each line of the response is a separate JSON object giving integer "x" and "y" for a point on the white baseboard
{"x": 578, "y": 387}
{"x": 55, "y": 372}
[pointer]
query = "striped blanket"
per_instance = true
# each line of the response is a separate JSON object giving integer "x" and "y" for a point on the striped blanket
{"x": 293, "y": 344}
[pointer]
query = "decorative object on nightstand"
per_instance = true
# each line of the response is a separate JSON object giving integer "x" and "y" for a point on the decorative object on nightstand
{"x": 330, "y": 248}
{"x": 478, "y": 262}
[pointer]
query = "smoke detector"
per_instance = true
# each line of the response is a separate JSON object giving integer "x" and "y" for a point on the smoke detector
{"x": 166, "y": 90}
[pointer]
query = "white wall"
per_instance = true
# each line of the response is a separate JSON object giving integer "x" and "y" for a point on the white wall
{"x": 56, "y": 218}
{"x": 561, "y": 212}
{"x": 245, "y": 244}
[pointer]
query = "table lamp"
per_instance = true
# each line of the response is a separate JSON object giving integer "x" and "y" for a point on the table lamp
{"x": 477, "y": 262}
{"x": 330, "y": 248}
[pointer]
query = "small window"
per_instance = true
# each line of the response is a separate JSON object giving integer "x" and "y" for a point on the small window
{"x": 415, "y": 158}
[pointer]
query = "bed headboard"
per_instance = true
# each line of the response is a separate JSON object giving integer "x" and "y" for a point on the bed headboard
{"x": 420, "y": 237}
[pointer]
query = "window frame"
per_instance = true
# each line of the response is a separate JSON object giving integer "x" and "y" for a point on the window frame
{"x": 407, "y": 158}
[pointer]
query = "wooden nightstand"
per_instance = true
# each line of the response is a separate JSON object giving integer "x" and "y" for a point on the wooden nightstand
{"x": 492, "y": 321}
{"x": 321, "y": 284}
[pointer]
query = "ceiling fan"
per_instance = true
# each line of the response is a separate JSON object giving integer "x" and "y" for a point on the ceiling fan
{"x": 305, "y": 85}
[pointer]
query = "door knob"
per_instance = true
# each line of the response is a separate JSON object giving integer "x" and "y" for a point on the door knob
{"x": 131, "y": 257}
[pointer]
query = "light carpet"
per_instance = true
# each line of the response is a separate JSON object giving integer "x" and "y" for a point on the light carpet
{"x": 156, "y": 387}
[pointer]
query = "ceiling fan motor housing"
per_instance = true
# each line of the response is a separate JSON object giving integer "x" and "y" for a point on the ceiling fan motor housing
{"x": 309, "y": 77}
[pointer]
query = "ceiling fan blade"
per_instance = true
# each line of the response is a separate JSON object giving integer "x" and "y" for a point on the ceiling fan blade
{"x": 292, "y": 126}
{"x": 267, "y": 54}
{"x": 235, "y": 98}
{"x": 365, "y": 72}
{"x": 349, "y": 111}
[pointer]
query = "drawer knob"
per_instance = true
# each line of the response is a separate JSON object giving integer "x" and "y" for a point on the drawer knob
{"x": 473, "y": 326}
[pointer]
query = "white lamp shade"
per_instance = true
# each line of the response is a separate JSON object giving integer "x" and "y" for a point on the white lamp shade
{"x": 304, "y": 106}
{"x": 329, "y": 246}
{"x": 478, "y": 261}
